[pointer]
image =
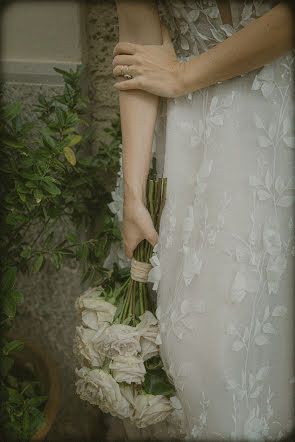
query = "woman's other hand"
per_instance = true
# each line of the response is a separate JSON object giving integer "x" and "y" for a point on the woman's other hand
{"x": 137, "y": 226}
{"x": 155, "y": 68}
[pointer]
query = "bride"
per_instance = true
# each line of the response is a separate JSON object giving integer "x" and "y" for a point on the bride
{"x": 217, "y": 103}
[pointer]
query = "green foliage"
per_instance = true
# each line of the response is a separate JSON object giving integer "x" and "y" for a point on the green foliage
{"x": 46, "y": 178}
{"x": 22, "y": 397}
{"x": 156, "y": 380}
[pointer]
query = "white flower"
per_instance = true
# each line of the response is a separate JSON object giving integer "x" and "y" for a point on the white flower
{"x": 93, "y": 309}
{"x": 271, "y": 236}
{"x": 155, "y": 272}
{"x": 98, "y": 387}
{"x": 128, "y": 369}
{"x": 129, "y": 393}
{"x": 117, "y": 339}
{"x": 83, "y": 346}
{"x": 148, "y": 328}
{"x": 150, "y": 409}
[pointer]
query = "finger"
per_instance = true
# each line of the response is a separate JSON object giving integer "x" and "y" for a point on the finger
{"x": 123, "y": 59}
{"x": 165, "y": 34}
{"x": 129, "y": 253}
{"x": 133, "y": 83}
{"x": 124, "y": 47}
{"x": 153, "y": 238}
{"x": 118, "y": 72}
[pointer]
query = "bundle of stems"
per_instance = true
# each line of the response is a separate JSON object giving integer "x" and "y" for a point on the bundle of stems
{"x": 135, "y": 293}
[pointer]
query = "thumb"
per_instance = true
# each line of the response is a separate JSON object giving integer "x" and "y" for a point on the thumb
{"x": 165, "y": 34}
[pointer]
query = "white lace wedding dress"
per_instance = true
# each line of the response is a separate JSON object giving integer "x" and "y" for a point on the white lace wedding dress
{"x": 225, "y": 298}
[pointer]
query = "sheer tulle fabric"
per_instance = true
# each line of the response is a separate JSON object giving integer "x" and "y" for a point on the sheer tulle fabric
{"x": 225, "y": 298}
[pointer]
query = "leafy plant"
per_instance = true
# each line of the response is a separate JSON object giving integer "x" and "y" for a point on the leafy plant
{"x": 46, "y": 179}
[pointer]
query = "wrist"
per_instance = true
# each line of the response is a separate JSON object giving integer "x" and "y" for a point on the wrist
{"x": 185, "y": 85}
{"x": 134, "y": 192}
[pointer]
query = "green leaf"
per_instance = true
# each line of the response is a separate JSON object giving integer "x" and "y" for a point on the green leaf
{"x": 56, "y": 260}
{"x": 71, "y": 237}
{"x": 64, "y": 73}
{"x": 74, "y": 139}
{"x": 26, "y": 253}
{"x": 9, "y": 305}
{"x": 22, "y": 197}
{"x": 17, "y": 296}
{"x": 15, "y": 218}
{"x": 6, "y": 364}
{"x": 15, "y": 397}
{"x": 48, "y": 140}
{"x": 158, "y": 383}
{"x": 48, "y": 240}
{"x": 13, "y": 143}
{"x": 36, "y": 401}
{"x": 86, "y": 275}
{"x": 12, "y": 381}
{"x": 9, "y": 302}
{"x": 60, "y": 116}
{"x": 26, "y": 425}
{"x": 51, "y": 188}
{"x": 38, "y": 194}
{"x": 84, "y": 252}
{"x": 80, "y": 69}
{"x": 13, "y": 347}
{"x": 11, "y": 110}
{"x": 70, "y": 155}
{"x": 8, "y": 279}
{"x": 31, "y": 176}
{"x": 37, "y": 264}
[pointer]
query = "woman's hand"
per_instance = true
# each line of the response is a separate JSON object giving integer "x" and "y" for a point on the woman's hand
{"x": 137, "y": 226}
{"x": 154, "y": 68}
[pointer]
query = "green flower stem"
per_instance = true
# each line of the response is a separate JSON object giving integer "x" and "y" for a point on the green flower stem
{"x": 125, "y": 295}
{"x": 127, "y": 303}
{"x": 141, "y": 288}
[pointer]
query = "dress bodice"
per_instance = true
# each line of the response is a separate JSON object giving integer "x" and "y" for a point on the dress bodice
{"x": 196, "y": 25}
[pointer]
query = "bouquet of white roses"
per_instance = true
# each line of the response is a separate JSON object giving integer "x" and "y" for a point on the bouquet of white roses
{"x": 117, "y": 341}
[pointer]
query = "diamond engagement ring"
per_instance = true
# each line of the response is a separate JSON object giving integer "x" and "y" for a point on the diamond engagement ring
{"x": 128, "y": 76}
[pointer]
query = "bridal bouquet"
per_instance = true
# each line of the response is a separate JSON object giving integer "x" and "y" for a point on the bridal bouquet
{"x": 118, "y": 339}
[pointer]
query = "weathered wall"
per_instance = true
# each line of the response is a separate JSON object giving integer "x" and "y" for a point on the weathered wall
{"x": 102, "y": 35}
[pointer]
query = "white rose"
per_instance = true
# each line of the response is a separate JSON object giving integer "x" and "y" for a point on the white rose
{"x": 149, "y": 331}
{"x": 128, "y": 369}
{"x": 100, "y": 388}
{"x": 149, "y": 347}
{"x": 150, "y": 409}
{"x": 83, "y": 346}
{"x": 93, "y": 308}
{"x": 97, "y": 387}
{"x": 118, "y": 339}
{"x": 126, "y": 407}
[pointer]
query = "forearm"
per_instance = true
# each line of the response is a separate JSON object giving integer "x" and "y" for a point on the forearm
{"x": 259, "y": 43}
{"x": 138, "y": 23}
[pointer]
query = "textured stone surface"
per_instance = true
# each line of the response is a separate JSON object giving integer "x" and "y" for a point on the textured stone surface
{"x": 102, "y": 36}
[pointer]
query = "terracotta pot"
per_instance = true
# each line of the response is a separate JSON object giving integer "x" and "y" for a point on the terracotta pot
{"x": 46, "y": 371}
